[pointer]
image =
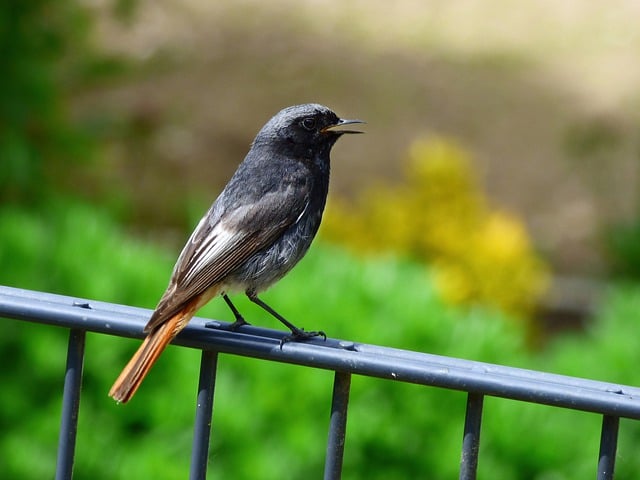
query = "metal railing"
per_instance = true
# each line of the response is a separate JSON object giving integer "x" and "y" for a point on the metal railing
{"x": 345, "y": 358}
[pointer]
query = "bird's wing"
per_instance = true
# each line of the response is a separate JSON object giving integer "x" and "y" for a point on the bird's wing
{"x": 216, "y": 248}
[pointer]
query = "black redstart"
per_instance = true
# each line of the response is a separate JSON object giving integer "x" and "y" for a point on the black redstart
{"x": 259, "y": 227}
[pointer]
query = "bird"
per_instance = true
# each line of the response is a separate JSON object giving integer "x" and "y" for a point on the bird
{"x": 254, "y": 233}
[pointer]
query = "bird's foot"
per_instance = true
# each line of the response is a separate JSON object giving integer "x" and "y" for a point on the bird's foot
{"x": 238, "y": 323}
{"x": 231, "y": 327}
{"x": 300, "y": 335}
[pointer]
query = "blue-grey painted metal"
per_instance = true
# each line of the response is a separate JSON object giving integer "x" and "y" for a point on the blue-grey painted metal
{"x": 471, "y": 437}
{"x": 204, "y": 413}
{"x": 70, "y": 405}
{"x": 608, "y": 447}
{"x": 361, "y": 359}
{"x": 337, "y": 426}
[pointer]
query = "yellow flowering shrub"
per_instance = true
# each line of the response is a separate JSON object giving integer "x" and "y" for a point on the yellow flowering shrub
{"x": 441, "y": 216}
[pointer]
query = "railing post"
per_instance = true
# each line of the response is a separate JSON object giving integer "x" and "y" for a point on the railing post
{"x": 337, "y": 426}
{"x": 204, "y": 414}
{"x": 608, "y": 447}
{"x": 471, "y": 438}
{"x": 70, "y": 405}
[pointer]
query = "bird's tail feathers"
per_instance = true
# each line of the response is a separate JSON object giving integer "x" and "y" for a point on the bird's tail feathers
{"x": 154, "y": 344}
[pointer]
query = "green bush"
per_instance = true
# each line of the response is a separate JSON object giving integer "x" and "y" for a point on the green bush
{"x": 270, "y": 420}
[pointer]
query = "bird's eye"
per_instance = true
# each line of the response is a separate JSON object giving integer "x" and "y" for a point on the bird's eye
{"x": 309, "y": 123}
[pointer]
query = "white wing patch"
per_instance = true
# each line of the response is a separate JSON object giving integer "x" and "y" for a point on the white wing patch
{"x": 218, "y": 240}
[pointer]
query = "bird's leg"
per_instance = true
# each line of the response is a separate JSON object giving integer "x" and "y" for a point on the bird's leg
{"x": 297, "y": 334}
{"x": 240, "y": 321}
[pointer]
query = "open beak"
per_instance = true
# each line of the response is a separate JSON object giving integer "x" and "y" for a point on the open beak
{"x": 338, "y": 127}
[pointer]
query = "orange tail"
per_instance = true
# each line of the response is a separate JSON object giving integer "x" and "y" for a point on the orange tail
{"x": 132, "y": 375}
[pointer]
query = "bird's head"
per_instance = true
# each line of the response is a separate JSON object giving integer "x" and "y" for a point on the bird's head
{"x": 305, "y": 128}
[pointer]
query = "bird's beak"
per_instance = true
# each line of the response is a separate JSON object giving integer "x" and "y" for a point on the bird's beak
{"x": 337, "y": 128}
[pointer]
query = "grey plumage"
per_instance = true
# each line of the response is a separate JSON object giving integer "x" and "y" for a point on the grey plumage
{"x": 266, "y": 217}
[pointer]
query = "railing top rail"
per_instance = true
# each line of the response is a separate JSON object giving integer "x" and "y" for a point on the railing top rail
{"x": 360, "y": 359}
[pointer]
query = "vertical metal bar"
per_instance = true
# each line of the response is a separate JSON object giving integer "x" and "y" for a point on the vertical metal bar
{"x": 204, "y": 413}
{"x": 471, "y": 438}
{"x": 608, "y": 447}
{"x": 337, "y": 426}
{"x": 70, "y": 405}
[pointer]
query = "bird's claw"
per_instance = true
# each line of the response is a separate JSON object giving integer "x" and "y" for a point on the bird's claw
{"x": 231, "y": 327}
{"x": 299, "y": 335}
{"x": 238, "y": 323}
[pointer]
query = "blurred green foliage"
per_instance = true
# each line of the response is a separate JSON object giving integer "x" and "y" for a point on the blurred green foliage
{"x": 622, "y": 246}
{"x": 42, "y": 43}
{"x": 277, "y": 414}
{"x": 440, "y": 216}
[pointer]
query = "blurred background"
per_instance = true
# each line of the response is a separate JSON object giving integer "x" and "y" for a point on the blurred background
{"x": 491, "y": 212}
